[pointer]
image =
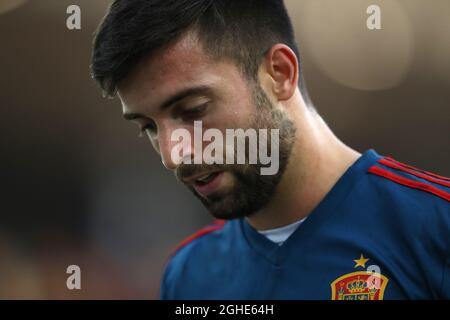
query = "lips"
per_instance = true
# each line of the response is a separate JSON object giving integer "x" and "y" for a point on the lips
{"x": 206, "y": 178}
{"x": 201, "y": 178}
{"x": 207, "y": 184}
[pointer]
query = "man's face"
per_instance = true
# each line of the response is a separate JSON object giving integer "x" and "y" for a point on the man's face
{"x": 180, "y": 85}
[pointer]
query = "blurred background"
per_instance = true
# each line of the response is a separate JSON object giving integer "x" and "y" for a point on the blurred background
{"x": 79, "y": 187}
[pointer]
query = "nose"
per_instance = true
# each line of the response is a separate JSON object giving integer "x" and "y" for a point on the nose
{"x": 175, "y": 146}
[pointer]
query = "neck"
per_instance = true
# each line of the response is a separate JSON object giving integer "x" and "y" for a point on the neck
{"x": 317, "y": 161}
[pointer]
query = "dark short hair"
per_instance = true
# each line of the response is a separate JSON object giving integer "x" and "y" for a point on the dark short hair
{"x": 240, "y": 30}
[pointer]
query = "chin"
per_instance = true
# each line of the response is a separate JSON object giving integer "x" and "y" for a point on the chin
{"x": 228, "y": 208}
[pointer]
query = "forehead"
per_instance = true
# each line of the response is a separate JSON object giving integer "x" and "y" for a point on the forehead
{"x": 180, "y": 66}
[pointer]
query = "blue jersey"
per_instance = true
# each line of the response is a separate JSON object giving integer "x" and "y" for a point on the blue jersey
{"x": 382, "y": 232}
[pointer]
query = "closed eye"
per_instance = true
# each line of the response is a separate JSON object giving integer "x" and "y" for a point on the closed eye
{"x": 194, "y": 113}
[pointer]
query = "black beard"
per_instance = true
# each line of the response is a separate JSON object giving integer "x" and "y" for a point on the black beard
{"x": 252, "y": 191}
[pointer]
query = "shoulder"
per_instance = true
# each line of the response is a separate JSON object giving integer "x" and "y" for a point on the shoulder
{"x": 410, "y": 198}
{"x": 410, "y": 182}
{"x": 200, "y": 234}
{"x": 192, "y": 254}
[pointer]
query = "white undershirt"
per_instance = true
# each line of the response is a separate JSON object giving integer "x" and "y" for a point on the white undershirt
{"x": 279, "y": 235}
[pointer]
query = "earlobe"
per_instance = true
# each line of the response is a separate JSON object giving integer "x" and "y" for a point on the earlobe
{"x": 282, "y": 65}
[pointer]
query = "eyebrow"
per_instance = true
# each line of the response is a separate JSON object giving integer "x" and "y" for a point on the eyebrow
{"x": 172, "y": 100}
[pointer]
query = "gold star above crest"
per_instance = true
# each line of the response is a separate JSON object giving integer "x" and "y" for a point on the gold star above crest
{"x": 361, "y": 262}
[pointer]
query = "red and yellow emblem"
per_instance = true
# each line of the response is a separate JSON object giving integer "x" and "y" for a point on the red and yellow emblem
{"x": 360, "y": 285}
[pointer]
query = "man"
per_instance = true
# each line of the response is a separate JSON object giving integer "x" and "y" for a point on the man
{"x": 330, "y": 223}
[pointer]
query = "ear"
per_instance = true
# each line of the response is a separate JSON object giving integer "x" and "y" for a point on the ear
{"x": 281, "y": 65}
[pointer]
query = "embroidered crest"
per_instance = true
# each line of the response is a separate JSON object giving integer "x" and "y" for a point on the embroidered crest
{"x": 360, "y": 285}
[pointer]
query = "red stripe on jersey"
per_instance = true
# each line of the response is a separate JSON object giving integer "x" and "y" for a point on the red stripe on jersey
{"x": 397, "y": 166}
{"x": 409, "y": 183}
{"x": 218, "y": 224}
{"x": 416, "y": 169}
